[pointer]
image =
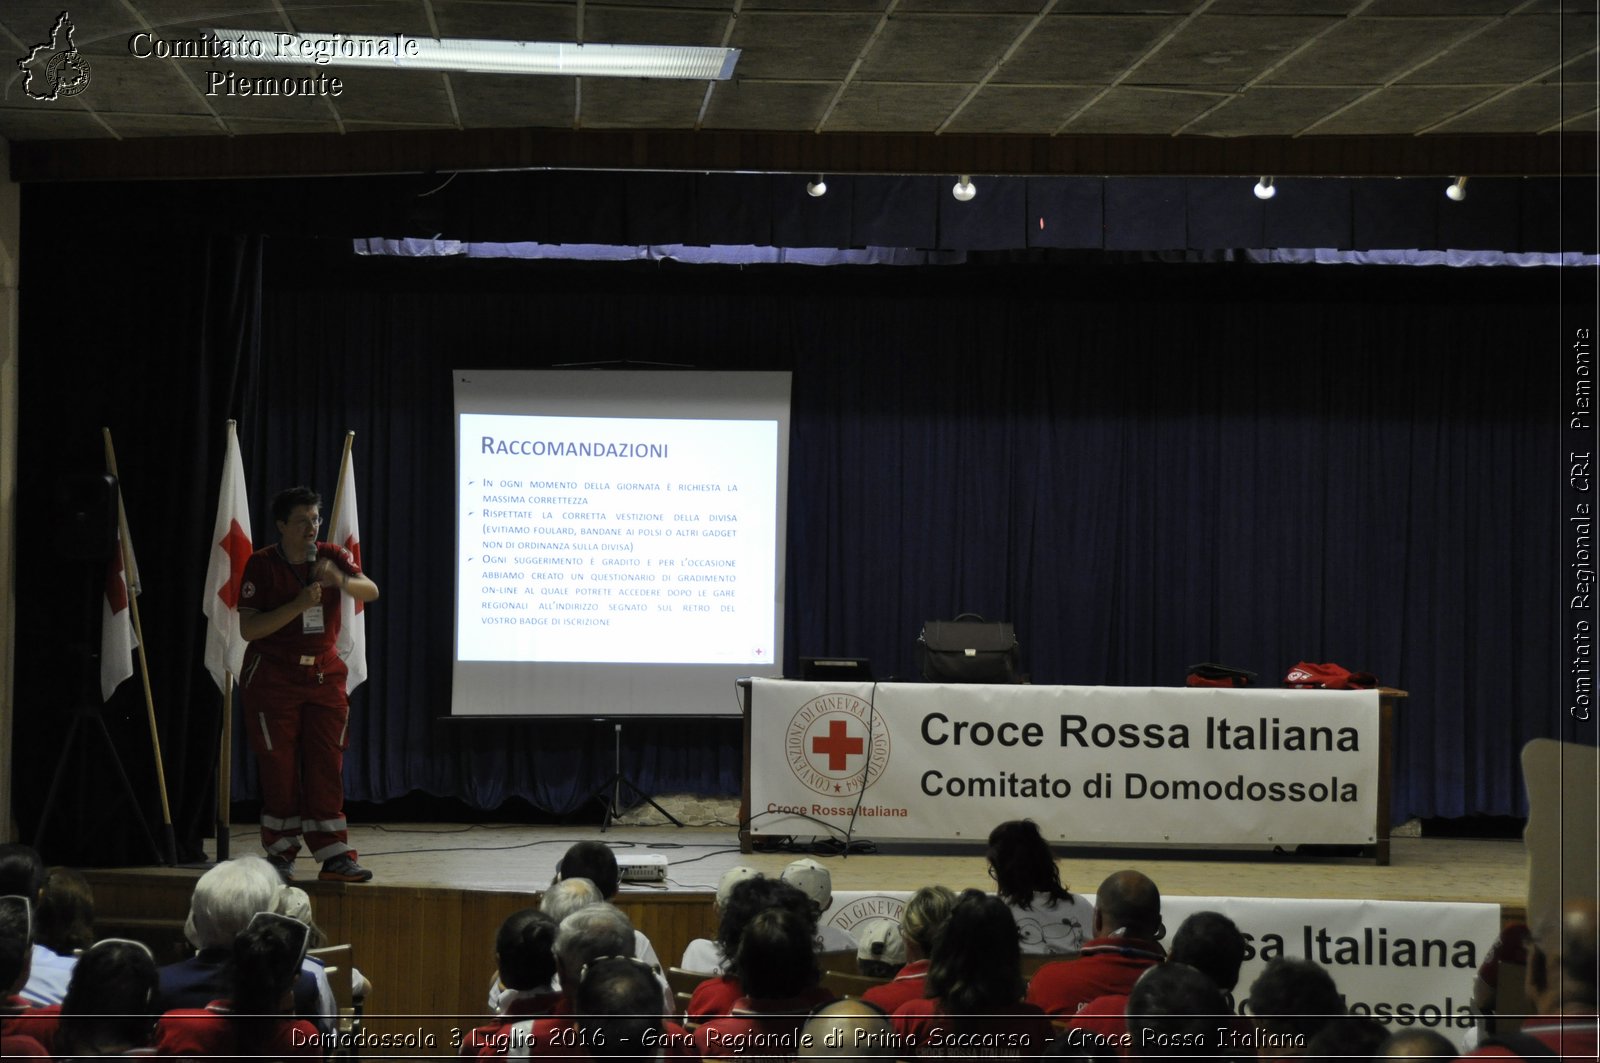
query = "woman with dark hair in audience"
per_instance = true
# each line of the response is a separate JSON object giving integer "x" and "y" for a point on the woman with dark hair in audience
{"x": 1049, "y": 917}
{"x": 747, "y": 899}
{"x": 777, "y": 964}
{"x": 110, "y": 1005}
{"x": 974, "y": 1008}
{"x": 257, "y": 1020}
{"x": 920, "y": 922}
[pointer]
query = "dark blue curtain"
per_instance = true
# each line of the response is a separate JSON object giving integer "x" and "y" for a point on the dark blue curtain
{"x": 1142, "y": 467}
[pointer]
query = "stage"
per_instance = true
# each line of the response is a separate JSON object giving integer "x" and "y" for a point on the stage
{"x": 423, "y": 929}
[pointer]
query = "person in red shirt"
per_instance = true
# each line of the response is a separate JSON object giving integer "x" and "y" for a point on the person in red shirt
{"x": 524, "y": 949}
{"x": 297, "y": 714}
{"x": 1127, "y": 926}
{"x": 924, "y": 915}
{"x": 716, "y": 996}
{"x": 777, "y": 966}
{"x": 974, "y": 1009}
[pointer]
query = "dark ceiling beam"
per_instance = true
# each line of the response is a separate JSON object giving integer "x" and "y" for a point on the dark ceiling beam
{"x": 321, "y": 154}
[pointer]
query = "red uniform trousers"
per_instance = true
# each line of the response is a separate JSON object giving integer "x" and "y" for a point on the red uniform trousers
{"x": 297, "y": 717}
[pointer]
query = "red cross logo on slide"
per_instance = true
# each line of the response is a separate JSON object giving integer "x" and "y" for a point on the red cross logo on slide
{"x": 837, "y": 745}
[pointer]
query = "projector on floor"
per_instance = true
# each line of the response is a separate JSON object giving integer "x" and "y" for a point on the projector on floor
{"x": 649, "y": 867}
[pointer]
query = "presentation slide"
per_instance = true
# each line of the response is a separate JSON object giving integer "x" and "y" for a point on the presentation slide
{"x": 611, "y": 540}
{"x": 619, "y": 540}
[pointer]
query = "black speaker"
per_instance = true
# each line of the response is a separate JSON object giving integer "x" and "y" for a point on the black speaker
{"x": 86, "y": 513}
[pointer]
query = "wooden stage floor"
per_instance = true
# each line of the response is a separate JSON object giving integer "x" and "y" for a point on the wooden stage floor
{"x": 523, "y": 858}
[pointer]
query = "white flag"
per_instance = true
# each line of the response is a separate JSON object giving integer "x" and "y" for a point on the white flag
{"x": 116, "y": 623}
{"x": 230, "y": 549}
{"x": 352, "y": 643}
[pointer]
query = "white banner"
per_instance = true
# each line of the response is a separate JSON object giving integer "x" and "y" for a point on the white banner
{"x": 1405, "y": 963}
{"x": 1137, "y": 765}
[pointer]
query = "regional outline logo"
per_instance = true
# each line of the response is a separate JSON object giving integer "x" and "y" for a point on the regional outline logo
{"x": 66, "y": 72}
{"x": 826, "y": 745}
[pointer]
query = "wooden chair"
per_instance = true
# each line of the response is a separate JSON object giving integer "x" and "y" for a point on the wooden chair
{"x": 338, "y": 963}
{"x": 849, "y": 985}
{"x": 683, "y": 985}
{"x": 840, "y": 960}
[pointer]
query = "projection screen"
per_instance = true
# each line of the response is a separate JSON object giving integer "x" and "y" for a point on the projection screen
{"x": 619, "y": 540}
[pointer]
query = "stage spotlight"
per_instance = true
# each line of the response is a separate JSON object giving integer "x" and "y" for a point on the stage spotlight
{"x": 1264, "y": 188}
{"x": 963, "y": 189}
{"x": 816, "y": 188}
{"x": 1457, "y": 189}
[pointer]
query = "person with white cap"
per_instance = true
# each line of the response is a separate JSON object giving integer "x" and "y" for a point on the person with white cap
{"x": 704, "y": 954}
{"x": 882, "y": 951}
{"x": 812, "y": 879}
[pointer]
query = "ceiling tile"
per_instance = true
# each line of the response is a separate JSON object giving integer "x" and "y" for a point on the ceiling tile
{"x": 1586, "y": 69}
{"x": 1367, "y": 51}
{"x": 1136, "y": 110}
{"x": 508, "y": 22}
{"x": 1436, "y": 8}
{"x": 1227, "y": 50}
{"x": 369, "y": 16}
{"x": 1513, "y": 51}
{"x": 875, "y": 106}
{"x": 760, "y": 105}
{"x": 1283, "y": 7}
{"x": 800, "y": 47}
{"x": 948, "y": 48}
{"x": 1403, "y": 110}
{"x": 1532, "y": 108}
{"x": 395, "y": 96}
{"x": 133, "y": 126}
{"x": 1018, "y": 109}
{"x": 1082, "y": 49}
{"x": 1126, "y": 7}
{"x": 618, "y": 103}
{"x": 1272, "y": 112}
{"x": 489, "y": 102}
{"x": 248, "y": 126}
{"x": 611, "y": 25}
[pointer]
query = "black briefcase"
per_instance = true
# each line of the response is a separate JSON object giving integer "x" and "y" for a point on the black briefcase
{"x": 968, "y": 649}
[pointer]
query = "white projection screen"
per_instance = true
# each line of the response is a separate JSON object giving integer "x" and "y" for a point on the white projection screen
{"x": 619, "y": 540}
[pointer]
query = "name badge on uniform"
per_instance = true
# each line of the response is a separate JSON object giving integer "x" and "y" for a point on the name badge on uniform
{"x": 311, "y": 621}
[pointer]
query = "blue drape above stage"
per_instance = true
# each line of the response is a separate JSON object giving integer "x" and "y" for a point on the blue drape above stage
{"x": 1140, "y": 466}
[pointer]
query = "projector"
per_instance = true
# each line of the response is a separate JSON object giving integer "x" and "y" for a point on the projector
{"x": 648, "y": 867}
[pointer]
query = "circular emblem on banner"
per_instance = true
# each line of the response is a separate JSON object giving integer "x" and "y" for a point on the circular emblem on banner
{"x": 827, "y": 745}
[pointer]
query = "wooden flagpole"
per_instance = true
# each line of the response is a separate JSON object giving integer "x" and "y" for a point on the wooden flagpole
{"x": 128, "y": 571}
{"x": 338, "y": 492}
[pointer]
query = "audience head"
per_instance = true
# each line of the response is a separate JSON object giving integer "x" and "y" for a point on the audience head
{"x": 812, "y": 879}
{"x": 776, "y": 957}
{"x": 1294, "y": 998}
{"x": 849, "y": 1029}
{"x": 1022, "y": 864}
{"x": 1129, "y": 905}
{"x": 21, "y": 871}
{"x": 1415, "y": 1043}
{"x": 110, "y": 1002}
{"x": 267, "y": 955}
{"x": 881, "y": 950}
{"x": 1347, "y": 1037}
{"x": 227, "y": 897}
{"x": 594, "y": 861}
{"x": 296, "y": 904}
{"x": 1211, "y": 943}
{"x": 1174, "y": 1010}
{"x": 64, "y": 919}
{"x": 588, "y": 934}
{"x": 567, "y": 896}
{"x": 977, "y": 959}
{"x": 731, "y": 878}
{"x": 618, "y": 1005}
{"x": 525, "y": 949}
{"x": 922, "y": 918}
{"x": 756, "y": 895}
{"x": 1561, "y": 963}
{"x": 16, "y": 943}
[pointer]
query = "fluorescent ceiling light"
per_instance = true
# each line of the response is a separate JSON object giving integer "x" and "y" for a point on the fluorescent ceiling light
{"x": 401, "y": 52}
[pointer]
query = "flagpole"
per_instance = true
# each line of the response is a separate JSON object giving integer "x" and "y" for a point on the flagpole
{"x": 338, "y": 492}
{"x": 144, "y": 663}
{"x": 225, "y": 771}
